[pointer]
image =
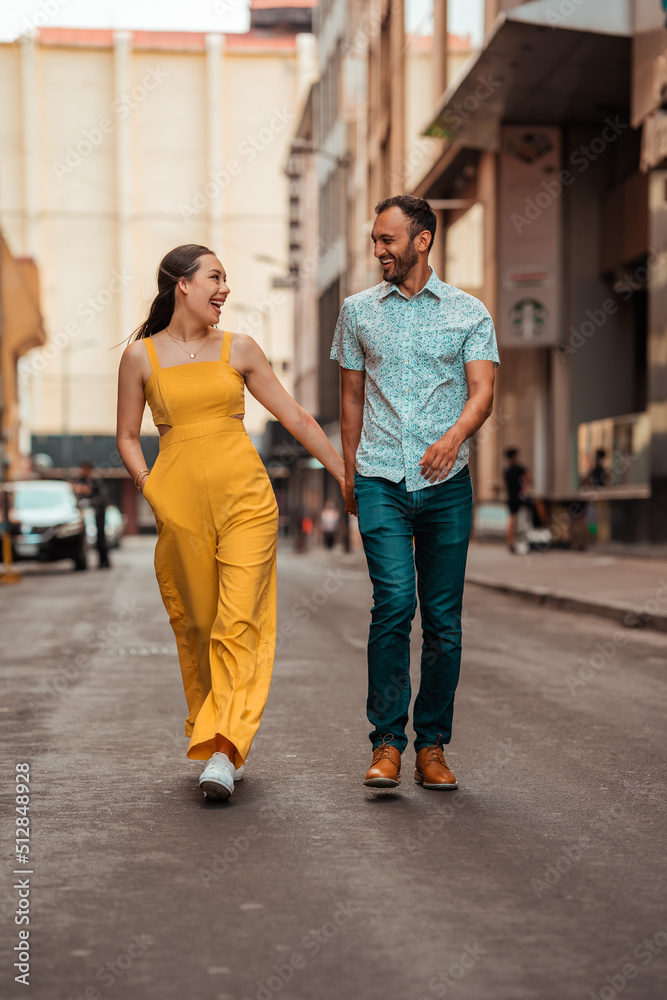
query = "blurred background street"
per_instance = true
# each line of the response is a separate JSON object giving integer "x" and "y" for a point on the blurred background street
{"x": 269, "y": 130}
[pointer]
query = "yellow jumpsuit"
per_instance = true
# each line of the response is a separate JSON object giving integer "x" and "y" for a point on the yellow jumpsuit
{"x": 215, "y": 557}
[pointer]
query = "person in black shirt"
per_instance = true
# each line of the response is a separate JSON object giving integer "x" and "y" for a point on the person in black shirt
{"x": 599, "y": 475}
{"x": 91, "y": 488}
{"x": 517, "y": 478}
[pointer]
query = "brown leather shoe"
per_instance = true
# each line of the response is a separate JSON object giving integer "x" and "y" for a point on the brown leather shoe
{"x": 431, "y": 769}
{"x": 385, "y": 769}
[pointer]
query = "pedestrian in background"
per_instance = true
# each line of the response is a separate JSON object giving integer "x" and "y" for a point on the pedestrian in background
{"x": 329, "y": 520}
{"x": 92, "y": 491}
{"x": 599, "y": 475}
{"x": 517, "y": 481}
{"x": 417, "y": 361}
{"x": 215, "y": 510}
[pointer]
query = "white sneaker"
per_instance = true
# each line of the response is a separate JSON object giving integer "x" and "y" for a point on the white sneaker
{"x": 217, "y": 778}
{"x": 238, "y": 773}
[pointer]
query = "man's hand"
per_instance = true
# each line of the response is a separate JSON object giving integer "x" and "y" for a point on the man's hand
{"x": 348, "y": 496}
{"x": 439, "y": 457}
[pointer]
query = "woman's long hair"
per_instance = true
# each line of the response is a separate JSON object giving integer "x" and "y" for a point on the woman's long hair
{"x": 181, "y": 262}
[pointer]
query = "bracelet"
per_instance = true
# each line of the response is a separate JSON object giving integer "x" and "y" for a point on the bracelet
{"x": 138, "y": 474}
{"x": 140, "y": 486}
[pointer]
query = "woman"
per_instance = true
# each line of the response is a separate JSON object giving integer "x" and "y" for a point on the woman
{"x": 215, "y": 511}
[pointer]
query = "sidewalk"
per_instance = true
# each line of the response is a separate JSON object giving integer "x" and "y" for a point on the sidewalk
{"x": 629, "y": 590}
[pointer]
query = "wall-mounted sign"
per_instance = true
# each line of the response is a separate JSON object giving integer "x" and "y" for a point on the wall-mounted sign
{"x": 529, "y": 276}
{"x": 654, "y": 141}
{"x": 530, "y": 206}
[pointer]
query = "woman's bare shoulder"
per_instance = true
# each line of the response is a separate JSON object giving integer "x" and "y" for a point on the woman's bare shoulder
{"x": 243, "y": 342}
{"x": 135, "y": 357}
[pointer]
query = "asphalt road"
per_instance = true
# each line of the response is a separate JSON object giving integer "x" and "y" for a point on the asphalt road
{"x": 542, "y": 878}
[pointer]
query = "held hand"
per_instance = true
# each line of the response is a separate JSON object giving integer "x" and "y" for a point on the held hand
{"x": 347, "y": 488}
{"x": 439, "y": 457}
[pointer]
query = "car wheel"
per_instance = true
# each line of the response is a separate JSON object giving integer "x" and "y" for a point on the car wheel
{"x": 80, "y": 561}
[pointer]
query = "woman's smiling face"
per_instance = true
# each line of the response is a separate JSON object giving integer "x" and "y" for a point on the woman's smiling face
{"x": 207, "y": 290}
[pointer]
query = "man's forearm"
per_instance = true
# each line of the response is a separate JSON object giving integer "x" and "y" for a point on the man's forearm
{"x": 475, "y": 412}
{"x": 352, "y": 416}
{"x": 353, "y": 392}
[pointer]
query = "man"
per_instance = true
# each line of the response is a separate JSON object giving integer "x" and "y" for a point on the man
{"x": 516, "y": 478}
{"x": 91, "y": 489}
{"x": 599, "y": 475}
{"x": 329, "y": 518}
{"x": 417, "y": 360}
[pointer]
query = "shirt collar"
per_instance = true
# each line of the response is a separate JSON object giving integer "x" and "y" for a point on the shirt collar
{"x": 433, "y": 286}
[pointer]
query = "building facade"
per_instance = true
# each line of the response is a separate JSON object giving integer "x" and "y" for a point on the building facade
{"x": 21, "y": 330}
{"x": 360, "y": 140}
{"x": 539, "y": 134}
{"x": 543, "y": 155}
{"x": 118, "y": 146}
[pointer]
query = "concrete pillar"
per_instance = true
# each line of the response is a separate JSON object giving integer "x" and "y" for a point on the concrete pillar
{"x": 307, "y": 67}
{"x": 563, "y": 440}
{"x": 215, "y": 129}
{"x": 122, "y": 82}
{"x": 489, "y": 456}
{"x": 30, "y": 145}
{"x": 396, "y": 71}
{"x": 491, "y": 10}
{"x": 439, "y": 49}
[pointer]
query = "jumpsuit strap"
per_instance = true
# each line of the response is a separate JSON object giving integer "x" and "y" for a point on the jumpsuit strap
{"x": 226, "y": 346}
{"x": 152, "y": 353}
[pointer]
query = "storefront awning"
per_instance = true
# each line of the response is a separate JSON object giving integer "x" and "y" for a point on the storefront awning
{"x": 541, "y": 64}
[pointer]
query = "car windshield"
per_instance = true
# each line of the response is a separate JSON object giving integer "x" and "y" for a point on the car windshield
{"x": 38, "y": 499}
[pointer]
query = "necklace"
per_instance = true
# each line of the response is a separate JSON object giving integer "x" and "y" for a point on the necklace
{"x": 176, "y": 341}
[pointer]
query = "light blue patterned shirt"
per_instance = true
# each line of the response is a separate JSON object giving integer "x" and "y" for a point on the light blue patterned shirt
{"x": 413, "y": 351}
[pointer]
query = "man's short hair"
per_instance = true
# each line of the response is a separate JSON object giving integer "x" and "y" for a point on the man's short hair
{"x": 419, "y": 212}
{"x": 511, "y": 453}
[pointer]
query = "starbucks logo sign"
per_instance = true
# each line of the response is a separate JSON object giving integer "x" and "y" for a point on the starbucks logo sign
{"x": 528, "y": 319}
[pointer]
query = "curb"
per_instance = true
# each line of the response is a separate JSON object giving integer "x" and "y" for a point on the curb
{"x": 625, "y": 614}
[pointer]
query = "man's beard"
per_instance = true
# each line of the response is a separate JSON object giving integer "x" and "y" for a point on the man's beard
{"x": 403, "y": 265}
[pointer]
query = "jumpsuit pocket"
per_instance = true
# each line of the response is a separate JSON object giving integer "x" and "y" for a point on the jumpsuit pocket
{"x": 148, "y": 485}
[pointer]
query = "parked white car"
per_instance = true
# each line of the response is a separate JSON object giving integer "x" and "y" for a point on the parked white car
{"x": 45, "y": 522}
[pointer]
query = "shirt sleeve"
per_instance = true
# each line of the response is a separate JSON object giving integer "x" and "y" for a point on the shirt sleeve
{"x": 480, "y": 344}
{"x": 346, "y": 349}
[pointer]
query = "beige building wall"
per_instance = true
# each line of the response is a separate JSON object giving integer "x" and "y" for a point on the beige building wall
{"x": 117, "y": 147}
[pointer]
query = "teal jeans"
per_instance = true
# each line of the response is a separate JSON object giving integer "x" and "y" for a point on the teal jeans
{"x": 422, "y": 535}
